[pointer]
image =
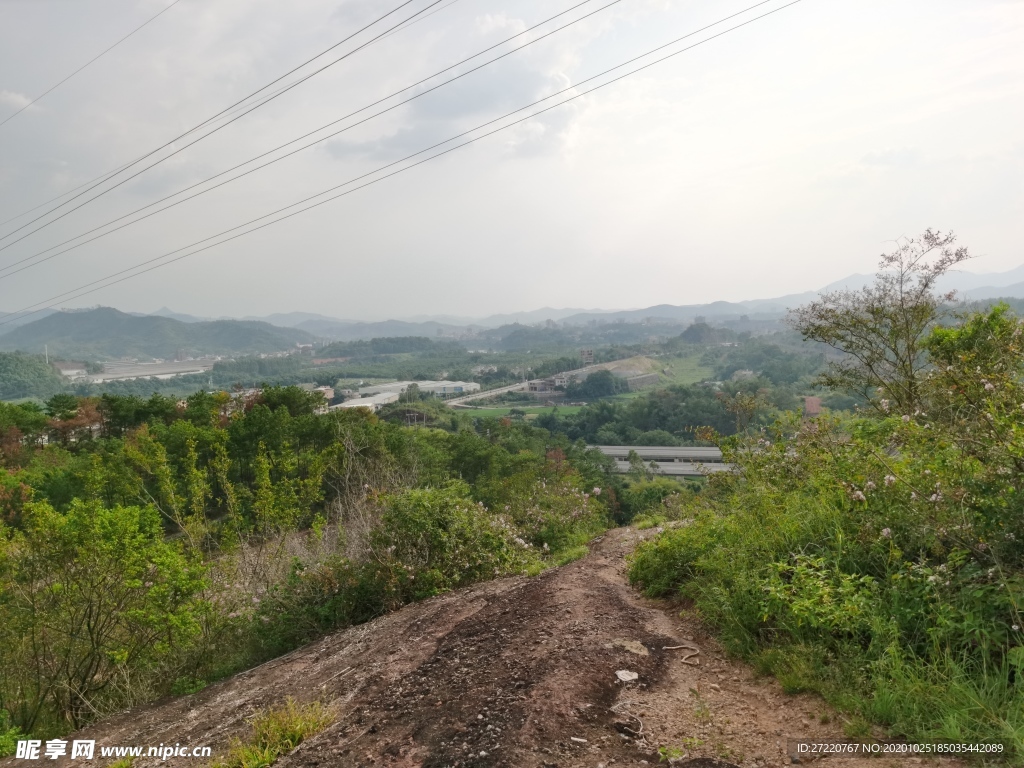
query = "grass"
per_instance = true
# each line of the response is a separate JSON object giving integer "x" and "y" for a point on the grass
{"x": 682, "y": 370}
{"x": 642, "y": 522}
{"x": 277, "y": 732}
{"x": 532, "y": 411}
{"x": 571, "y": 555}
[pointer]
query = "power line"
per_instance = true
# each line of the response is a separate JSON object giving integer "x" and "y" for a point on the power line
{"x": 227, "y": 112}
{"x": 90, "y": 61}
{"x": 211, "y": 119}
{"x": 306, "y": 135}
{"x": 80, "y": 291}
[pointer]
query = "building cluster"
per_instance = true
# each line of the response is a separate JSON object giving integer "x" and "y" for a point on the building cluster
{"x": 376, "y": 396}
{"x": 439, "y": 388}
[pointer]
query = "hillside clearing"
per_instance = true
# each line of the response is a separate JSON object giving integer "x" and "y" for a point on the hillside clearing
{"x": 517, "y": 672}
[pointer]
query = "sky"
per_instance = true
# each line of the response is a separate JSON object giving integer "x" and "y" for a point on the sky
{"x": 776, "y": 158}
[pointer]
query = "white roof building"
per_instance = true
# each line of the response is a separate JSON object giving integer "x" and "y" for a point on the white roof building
{"x": 432, "y": 387}
{"x": 373, "y": 402}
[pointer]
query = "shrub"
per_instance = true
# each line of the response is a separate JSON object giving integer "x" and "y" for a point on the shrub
{"x": 117, "y": 601}
{"x": 9, "y": 735}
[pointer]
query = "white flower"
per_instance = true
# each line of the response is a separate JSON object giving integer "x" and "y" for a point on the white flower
{"x": 886, "y": 533}
{"x": 597, "y": 491}
{"x": 1016, "y": 628}
{"x": 906, "y": 418}
{"x": 885, "y": 405}
{"x": 989, "y": 386}
{"x": 859, "y": 496}
{"x": 869, "y": 486}
{"x": 890, "y": 480}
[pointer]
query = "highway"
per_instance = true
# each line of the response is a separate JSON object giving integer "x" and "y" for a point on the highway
{"x": 520, "y": 386}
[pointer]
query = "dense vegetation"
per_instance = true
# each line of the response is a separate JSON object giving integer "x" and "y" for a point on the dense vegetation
{"x": 24, "y": 375}
{"x": 878, "y": 558}
{"x": 199, "y": 539}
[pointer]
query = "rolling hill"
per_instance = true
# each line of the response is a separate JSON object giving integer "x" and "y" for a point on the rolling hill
{"x": 106, "y": 333}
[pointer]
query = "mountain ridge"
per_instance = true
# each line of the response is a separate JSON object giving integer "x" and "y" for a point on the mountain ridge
{"x": 108, "y": 333}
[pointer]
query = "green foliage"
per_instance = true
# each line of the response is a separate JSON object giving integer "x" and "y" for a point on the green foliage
{"x": 597, "y": 385}
{"x": 649, "y": 496}
{"x": 668, "y": 416}
{"x": 209, "y": 535}
{"x": 110, "y": 592}
{"x": 9, "y": 735}
{"x": 23, "y": 375}
{"x": 435, "y": 539}
{"x": 276, "y": 732}
{"x": 881, "y": 329}
{"x": 769, "y": 361}
{"x": 878, "y": 561}
{"x": 386, "y": 346}
{"x": 702, "y": 333}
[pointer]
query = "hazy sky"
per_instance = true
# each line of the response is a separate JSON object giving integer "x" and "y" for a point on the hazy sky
{"x": 774, "y": 159}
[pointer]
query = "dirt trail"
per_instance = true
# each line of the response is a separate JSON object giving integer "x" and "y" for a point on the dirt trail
{"x": 517, "y": 673}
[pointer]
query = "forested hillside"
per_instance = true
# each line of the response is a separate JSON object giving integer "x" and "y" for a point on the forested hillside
{"x": 106, "y": 333}
{"x": 24, "y": 375}
{"x": 200, "y": 540}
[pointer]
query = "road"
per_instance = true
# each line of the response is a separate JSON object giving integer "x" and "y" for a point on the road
{"x": 518, "y": 386}
{"x": 514, "y": 673}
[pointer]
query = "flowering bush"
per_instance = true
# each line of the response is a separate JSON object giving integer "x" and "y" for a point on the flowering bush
{"x": 879, "y": 560}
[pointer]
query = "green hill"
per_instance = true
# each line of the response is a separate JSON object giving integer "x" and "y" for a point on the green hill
{"x": 106, "y": 333}
{"x": 27, "y": 376}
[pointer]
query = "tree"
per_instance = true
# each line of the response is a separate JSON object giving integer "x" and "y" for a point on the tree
{"x": 62, "y": 407}
{"x": 86, "y": 599}
{"x": 880, "y": 329}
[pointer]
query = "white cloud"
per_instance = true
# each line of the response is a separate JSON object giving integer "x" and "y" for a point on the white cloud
{"x": 488, "y": 23}
{"x": 15, "y": 100}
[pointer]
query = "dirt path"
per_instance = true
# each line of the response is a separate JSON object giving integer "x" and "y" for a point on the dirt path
{"x": 517, "y": 673}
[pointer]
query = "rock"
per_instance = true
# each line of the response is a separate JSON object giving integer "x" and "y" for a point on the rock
{"x": 632, "y": 646}
{"x": 626, "y": 675}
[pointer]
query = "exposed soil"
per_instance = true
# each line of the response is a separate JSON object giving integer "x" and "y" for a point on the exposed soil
{"x": 517, "y": 673}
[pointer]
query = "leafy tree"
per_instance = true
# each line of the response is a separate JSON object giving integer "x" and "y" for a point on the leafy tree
{"x": 86, "y": 597}
{"x": 62, "y": 407}
{"x": 597, "y": 385}
{"x": 880, "y": 329}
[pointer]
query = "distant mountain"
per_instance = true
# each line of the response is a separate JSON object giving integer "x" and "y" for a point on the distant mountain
{"x": 969, "y": 285}
{"x": 167, "y": 312}
{"x": 1015, "y": 291}
{"x": 992, "y": 284}
{"x": 338, "y": 330}
{"x": 106, "y": 333}
{"x": 10, "y": 320}
{"x": 296, "y": 319}
{"x": 496, "y": 321}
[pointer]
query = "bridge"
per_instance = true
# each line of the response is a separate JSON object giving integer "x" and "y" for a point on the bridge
{"x": 671, "y": 461}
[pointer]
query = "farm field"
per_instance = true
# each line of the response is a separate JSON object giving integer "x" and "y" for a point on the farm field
{"x": 683, "y": 370}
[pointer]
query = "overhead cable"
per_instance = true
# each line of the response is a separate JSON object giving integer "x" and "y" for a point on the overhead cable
{"x": 163, "y": 260}
{"x": 300, "y": 138}
{"x": 90, "y": 61}
{"x": 211, "y": 119}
